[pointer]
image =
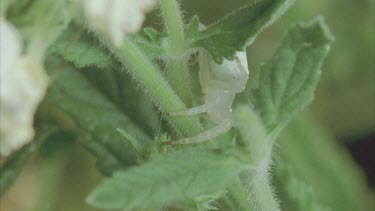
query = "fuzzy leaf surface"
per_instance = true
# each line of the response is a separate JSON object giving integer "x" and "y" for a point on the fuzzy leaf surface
{"x": 107, "y": 75}
{"x": 94, "y": 116}
{"x": 164, "y": 179}
{"x": 238, "y": 29}
{"x": 287, "y": 82}
{"x": 81, "y": 49}
{"x": 150, "y": 41}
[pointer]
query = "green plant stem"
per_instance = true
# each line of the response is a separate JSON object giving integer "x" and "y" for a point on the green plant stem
{"x": 154, "y": 84}
{"x": 259, "y": 146}
{"x": 173, "y": 22}
{"x": 178, "y": 73}
{"x": 238, "y": 195}
{"x": 179, "y": 78}
{"x": 261, "y": 193}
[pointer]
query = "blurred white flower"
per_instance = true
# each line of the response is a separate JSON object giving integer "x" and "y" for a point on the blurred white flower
{"x": 117, "y": 17}
{"x": 22, "y": 86}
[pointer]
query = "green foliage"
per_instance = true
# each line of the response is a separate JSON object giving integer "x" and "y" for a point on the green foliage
{"x": 253, "y": 135}
{"x": 166, "y": 178}
{"x": 95, "y": 118}
{"x": 112, "y": 99}
{"x": 150, "y": 79}
{"x": 236, "y": 198}
{"x": 101, "y": 69}
{"x": 151, "y": 42}
{"x": 288, "y": 80}
{"x": 237, "y": 30}
{"x": 286, "y": 86}
{"x": 76, "y": 46}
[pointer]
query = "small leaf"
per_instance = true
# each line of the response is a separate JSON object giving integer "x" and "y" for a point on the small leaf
{"x": 165, "y": 179}
{"x": 81, "y": 49}
{"x": 288, "y": 80}
{"x": 252, "y": 135}
{"x": 150, "y": 42}
{"x": 239, "y": 29}
{"x": 130, "y": 139}
{"x": 153, "y": 34}
{"x": 192, "y": 28}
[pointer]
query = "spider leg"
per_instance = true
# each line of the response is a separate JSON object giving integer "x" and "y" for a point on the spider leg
{"x": 239, "y": 65}
{"x": 221, "y": 128}
{"x": 191, "y": 111}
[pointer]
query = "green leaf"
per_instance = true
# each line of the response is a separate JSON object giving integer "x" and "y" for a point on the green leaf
{"x": 83, "y": 50}
{"x": 150, "y": 42}
{"x": 165, "y": 179}
{"x": 192, "y": 29}
{"x": 10, "y": 170}
{"x": 238, "y": 29}
{"x": 95, "y": 117}
{"x": 76, "y": 46}
{"x": 288, "y": 80}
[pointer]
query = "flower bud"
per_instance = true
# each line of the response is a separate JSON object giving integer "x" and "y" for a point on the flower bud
{"x": 22, "y": 86}
{"x": 117, "y": 17}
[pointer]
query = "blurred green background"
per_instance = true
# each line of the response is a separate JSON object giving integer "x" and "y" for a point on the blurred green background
{"x": 317, "y": 144}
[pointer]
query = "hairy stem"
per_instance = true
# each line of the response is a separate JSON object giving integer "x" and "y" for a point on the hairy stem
{"x": 262, "y": 195}
{"x": 238, "y": 196}
{"x": 174, "y": 24}
{"x": 178, "y": 73}
{"x": 179, "y": 78}
{"x": 258, "y": 143}
{"x": 153, "y": 83}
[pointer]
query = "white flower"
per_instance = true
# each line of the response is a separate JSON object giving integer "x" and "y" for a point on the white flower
{"x": 117, "y": 17}
{"x": 22, "y": 86}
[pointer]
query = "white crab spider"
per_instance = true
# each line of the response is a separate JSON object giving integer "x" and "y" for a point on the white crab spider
{"x": 220, "y": 83}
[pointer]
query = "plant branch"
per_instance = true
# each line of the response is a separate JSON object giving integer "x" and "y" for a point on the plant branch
{"x": 178, "y": 73}
{"x": 153, "y": 83}
{"x": 261, "y": 193}
{"x": 174, "y": 25}
{"x": 238, "y": 195}
{"x": 259, "y": 145}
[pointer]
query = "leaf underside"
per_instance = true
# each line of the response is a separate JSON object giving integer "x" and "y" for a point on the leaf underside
{"x": 238, "y": 29}
{"x": 287, "y": 82}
